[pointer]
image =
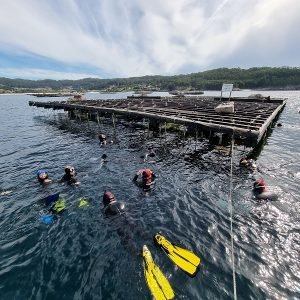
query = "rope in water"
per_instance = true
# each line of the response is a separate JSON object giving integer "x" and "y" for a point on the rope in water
{"x": 231, "y": 213}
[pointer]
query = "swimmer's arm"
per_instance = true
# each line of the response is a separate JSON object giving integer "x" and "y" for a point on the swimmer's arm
{"x": 139, "y": 172}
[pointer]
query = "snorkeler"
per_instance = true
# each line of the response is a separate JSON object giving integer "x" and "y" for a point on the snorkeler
{"x": 42, "y": 176}
{"x": 111, "y": 205}
{"x": 104, "y": 158}
{"x": 70, "y": 176}
{"x": 102, "y": 138}
{"x": 148, "y": 178}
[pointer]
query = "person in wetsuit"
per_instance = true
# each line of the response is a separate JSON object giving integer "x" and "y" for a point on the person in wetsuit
{"x": 102, "y": 138}
{"x": 70, "y": 176}
{"x": 42, "y": 177}
{"x": 123, "y": 224}
{"x": 111, "y": 205}
{"x": 148, "y": 178}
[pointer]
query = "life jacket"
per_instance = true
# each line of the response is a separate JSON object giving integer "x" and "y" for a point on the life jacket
{"x": 108, "y": 198}
{"x": 147, "y": 177}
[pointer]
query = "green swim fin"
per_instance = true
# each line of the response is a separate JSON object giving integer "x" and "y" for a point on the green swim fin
{"x": 59, "y": 205}
{"x": 83, "y": 202}
{"x": 185, "y": 259}
{"x": 157, "y": 282}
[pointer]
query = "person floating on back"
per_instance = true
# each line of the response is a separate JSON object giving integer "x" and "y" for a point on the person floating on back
{"x": 70, "y": 176}
{"x": 42, "y": 176}
{"x": 111, "y": 205}
{"x": 148, "y": 178}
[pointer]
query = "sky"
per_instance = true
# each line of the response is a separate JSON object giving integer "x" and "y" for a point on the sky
{"x": 73, "y": 39}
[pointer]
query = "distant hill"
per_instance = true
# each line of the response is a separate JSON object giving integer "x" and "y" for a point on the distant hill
{"x": 253, "y": 78}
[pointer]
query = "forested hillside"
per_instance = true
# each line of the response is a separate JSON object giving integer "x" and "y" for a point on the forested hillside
{"x": 254, "y": 78}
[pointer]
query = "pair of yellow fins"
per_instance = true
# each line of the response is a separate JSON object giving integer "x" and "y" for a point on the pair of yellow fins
{"x": 183, "y": 258}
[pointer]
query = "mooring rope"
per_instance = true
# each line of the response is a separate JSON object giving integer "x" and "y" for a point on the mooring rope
{"x": 231, "y": 213}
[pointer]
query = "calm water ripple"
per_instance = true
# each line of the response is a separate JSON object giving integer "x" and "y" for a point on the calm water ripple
{"x": 84, "y": 255}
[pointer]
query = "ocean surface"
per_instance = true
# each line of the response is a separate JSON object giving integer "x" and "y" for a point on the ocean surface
{"x": 84, "y": 255}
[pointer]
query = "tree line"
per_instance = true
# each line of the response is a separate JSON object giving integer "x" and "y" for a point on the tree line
{"x": 253, "y": 78}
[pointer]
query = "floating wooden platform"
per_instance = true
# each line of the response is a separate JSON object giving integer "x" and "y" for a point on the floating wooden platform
{"x": 249, "y": 122}
{"x": 51, "y": 94}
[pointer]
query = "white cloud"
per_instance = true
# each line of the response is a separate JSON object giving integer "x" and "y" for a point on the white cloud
{"x": 41, "y": 74}
{"x": 146, "y": 37}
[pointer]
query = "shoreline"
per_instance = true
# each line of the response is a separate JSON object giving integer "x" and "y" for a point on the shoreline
{"x": 107, "y": 92}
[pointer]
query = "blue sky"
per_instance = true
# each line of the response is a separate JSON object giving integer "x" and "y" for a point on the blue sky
{"x": 72, "y": 39}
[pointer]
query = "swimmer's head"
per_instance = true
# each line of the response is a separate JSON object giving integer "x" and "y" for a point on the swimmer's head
{"x": 104, "y": 156}
{"x": 42, "y": 175}
{"x": 69, "y": 170}
{"x": 102, "y": 136}
{"x": 108, "y": 197}
{"x": 147, "y": 173}
{"x": 259, "y": 186}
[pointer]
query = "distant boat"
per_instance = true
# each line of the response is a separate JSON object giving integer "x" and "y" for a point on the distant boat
{"x": 50, "y": 94}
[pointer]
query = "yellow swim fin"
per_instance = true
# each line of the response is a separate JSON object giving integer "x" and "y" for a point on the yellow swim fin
{"x": 157, "y": 282}
{"x": 185, "y": 259}
{"x": 59, "y": 205}
{"x": 83, "y": 202}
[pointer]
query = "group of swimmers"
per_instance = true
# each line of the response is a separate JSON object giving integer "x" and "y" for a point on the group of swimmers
{"x": 69, "y": 177}
{"x": 148, "y": 177}
{"x": 111, "y": 205}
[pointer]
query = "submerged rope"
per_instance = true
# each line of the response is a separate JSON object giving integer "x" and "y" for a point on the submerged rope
{"x": 231, "y": 213}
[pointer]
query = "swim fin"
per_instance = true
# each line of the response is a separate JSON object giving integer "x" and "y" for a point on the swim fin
{"x": 157, "y": 282}
{"x": 83, "y": 202}
{"x": 59, "y": 205}
{"x": 185, "y": 259}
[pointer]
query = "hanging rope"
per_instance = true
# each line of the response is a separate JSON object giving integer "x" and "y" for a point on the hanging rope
{"x": 231, "y": 213}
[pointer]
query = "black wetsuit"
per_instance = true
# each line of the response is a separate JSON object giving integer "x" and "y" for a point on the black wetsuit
{"x": 102, "y": 138}
{"x": 114, "y": 208}
{"x": 69, "y": 179}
